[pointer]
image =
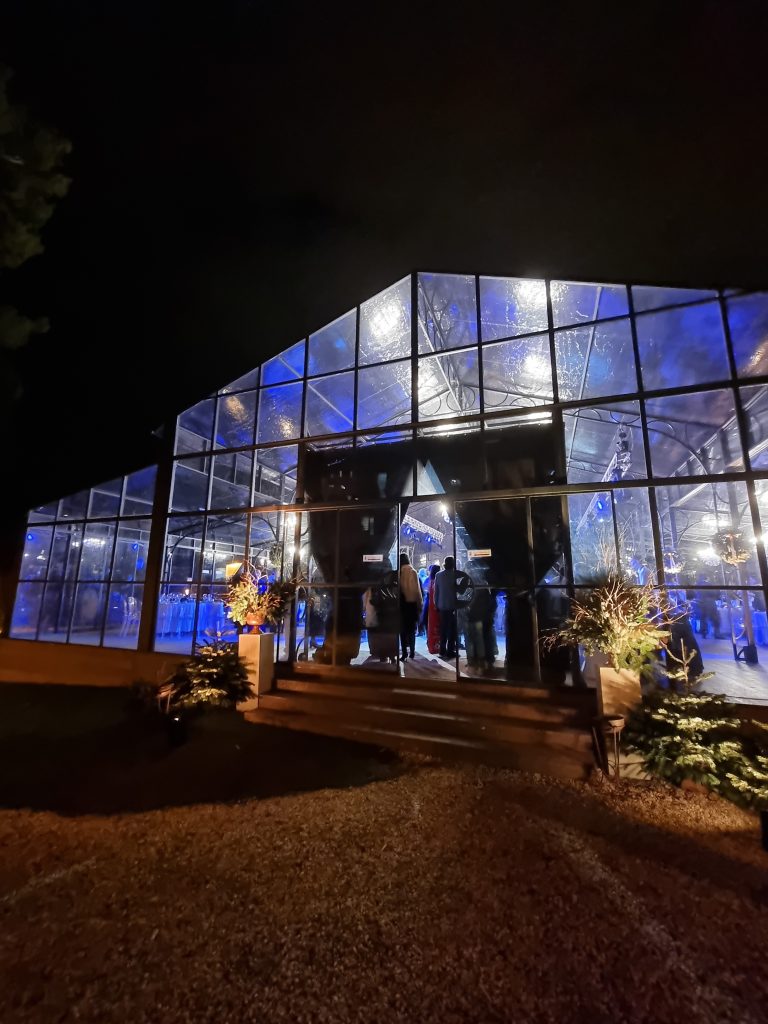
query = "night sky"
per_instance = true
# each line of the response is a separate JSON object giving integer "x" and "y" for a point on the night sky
{"x": 242, "y": 178}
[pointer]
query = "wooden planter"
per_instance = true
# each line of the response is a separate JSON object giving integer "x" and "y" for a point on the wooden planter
{"x": 618, "y": 693}
{"x": 258, "y": 652}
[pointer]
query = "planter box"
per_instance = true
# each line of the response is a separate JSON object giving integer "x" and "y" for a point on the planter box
{"x": 619, "y": 692}
{"x": 258, "y": 652}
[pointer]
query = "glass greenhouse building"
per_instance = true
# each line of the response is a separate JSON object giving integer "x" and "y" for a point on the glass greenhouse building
{"x": 538, "y": 431}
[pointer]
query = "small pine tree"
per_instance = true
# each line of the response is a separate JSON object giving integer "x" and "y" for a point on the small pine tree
{"x": 216, "y": 677}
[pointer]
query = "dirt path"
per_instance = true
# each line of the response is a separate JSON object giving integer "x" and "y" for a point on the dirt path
{"x": 444, "y": 894}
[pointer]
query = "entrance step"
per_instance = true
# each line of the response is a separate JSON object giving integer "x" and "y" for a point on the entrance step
{"x": 534, "y": 733}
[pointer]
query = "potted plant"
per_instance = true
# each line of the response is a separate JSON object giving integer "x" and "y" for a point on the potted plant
{"x": 252, "y": 605}
{"x": 621, "y": 627}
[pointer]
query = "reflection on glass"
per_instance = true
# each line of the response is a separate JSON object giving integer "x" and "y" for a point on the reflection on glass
{"x": 384, "y": 395}
{"x": 235, "y": 420}
{"x": 517, "y": 373}
{"x": 575, "y": 303}
{"x": 131, "y": 550}
{"x": 245, "y": 383}
{"x": 189, "y": 490}
{"x": 175, "y": 623}
{"x": 231, "y": 480}
{"x": 96, "y": 558}
{"x": 26, "y": 610}
{"x": 385, "y": 325}
{"x": 693, "y": 435}
{"x": 593, "y": 545}
{"x": 37, "y": 547}
{"x": 280, "y": 413}
{"x": 596, "y": 360}
{"x": 447, "y": 312}
{"x": 682, "y": 346}
{"x": 333, "y": 348}
{"x": 604, "y": 443}
{"x": 194, "y": 428}
{"x": 330, "y": 404}
{"x": 88, "y": 614}
{"x": 748, "y": 322}
{"x": 105, "y": 499}
{"x": 56, "y": 612}
{"x": 75, "y": 506}
{"x": 650, "y": 297}
{"x": 275, "y": 475}
{"x": 139, "y": 492}
{"x": 284, "y": 367}
{"x": 511, "y": 306}
{"x": 449, "y": 385}
{"x": 123, "y": 616}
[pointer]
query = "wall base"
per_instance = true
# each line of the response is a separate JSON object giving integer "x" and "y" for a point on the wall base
{"x": 30, "y": 661}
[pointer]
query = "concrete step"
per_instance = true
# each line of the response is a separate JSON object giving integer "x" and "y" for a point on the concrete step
{"x": 458, "y": 700}
{"x": 430, "y": 722}
{"x": 531, "y": 757}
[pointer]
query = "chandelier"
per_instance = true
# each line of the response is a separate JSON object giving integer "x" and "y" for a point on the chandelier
{"x": 728, "y": 546}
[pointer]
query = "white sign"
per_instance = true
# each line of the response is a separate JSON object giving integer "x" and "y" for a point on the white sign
{"x": 373, "y": 558}
{"x": 479, "y": 553}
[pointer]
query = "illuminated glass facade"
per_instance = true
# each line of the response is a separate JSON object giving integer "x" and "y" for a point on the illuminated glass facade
{"x": 563, "y": 427}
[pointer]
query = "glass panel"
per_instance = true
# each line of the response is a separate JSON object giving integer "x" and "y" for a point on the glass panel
{"x": 272, "y": 543}
{"x": 182, "y": 549}
{"x": 692, "y": 435}
{"x": 175, "y": 619}
{"x": 447, "y": 312}
{"x": 553, "y": 608}
{"x": 650, "y": 297}
{"x": 368, "y": 551}
{"x": 212, "y": 621}
{"x": 123, "y": 616}
{"x": 287, "y": 366}
{"x": 517, "y": 373}
{"x": 594, "y": 361}
{"x": 322, "y": 546}
{"x": 593, "y": 545}
{"x": 698, "y": 524}
{"x": 26, "y": 610}
{"x": 231, "y": 480}
{"x": 189, "y": 491}
{"x": 385, "y": 325}
{"x": 131, "y": 550}
{"x": 43, "y": 513}
{"x": 75, "y": 506}
{"x": 37, "y": 548}
{"x": 235, "y": 421}
{"x": 682, "y": 346}
{"x": 275, "y": 480}
{"x": 315, "y": 639}
{"x": 105, "y": 499}
{"x": 245, "y": 383}
{"x": 280, "y": 413}
{"x": 521, "y": 451}
{"x": 633, "y": 526}
{"x": 88, "y": 614}
{"x": 755, "y": 403}
{"x": 96, "y": 559}
{"x": 341, "y": 473}
{"x": 748, "y": 321}
{"x": 492, "y": 542}
{"x": 496, "y": 638}
{"x": 511, "y": 306}
{"x": 333, "y": 347}
{"x": 447, "y": 461}
{"x": 384, "y": 395}
{"x": 65, "y": 557}
{"x": 56, "y": 612}
{"x": 224, "y": 546}
{"x": 449, "y": 385}
{"x": 194, "y": 428}
{"x": 604, "y": 443}
{"x": 548, "y": 532}
{"x": 139, "y": 492}
{"x": 574, "y": 303}
{"x": 330, "y": 404}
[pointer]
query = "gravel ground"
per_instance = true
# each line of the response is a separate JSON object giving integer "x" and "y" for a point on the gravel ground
{"x": 439, "y": 893}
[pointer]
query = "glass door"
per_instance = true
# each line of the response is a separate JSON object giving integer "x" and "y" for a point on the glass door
{"x": 348, "y": 604}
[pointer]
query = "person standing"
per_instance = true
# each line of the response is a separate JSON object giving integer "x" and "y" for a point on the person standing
{"x": 444, "y": 592}
{"x": 433, "y": 615}
{"x": 410, "y": 605}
